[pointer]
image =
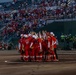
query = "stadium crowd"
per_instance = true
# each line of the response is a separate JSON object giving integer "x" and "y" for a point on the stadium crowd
{"x": 29, "y": 18}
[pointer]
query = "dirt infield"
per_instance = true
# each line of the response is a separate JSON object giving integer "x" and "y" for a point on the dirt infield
{"x": 10, "y": 64}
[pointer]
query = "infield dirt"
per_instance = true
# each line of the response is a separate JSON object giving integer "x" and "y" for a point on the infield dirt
{"x": 65, "y": 66}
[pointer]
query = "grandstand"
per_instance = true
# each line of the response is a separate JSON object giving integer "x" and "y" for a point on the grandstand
{"x": 24, "y": 16}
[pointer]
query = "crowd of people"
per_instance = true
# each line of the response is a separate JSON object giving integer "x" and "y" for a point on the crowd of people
{"x": 37, "y": 15}
{"x": 38, "y": 46}
{"x": 29, "y": 18}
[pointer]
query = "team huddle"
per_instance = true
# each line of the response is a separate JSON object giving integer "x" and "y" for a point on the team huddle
{"x": 38, "y": 46}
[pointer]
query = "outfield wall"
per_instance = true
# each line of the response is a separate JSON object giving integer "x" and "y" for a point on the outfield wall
{"x": 66, "y": 27}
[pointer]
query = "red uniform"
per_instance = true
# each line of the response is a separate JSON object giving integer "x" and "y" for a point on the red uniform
{"x": 51, "y": 54}
{"x": 39, "y": 50}
{"x": 32, "y": 49}
{"x": 26, "y": 49}
{"x": 54, "y": 41}
{"x": 44, "y": 48}
{"x": 55, "y": 47}
{"x": 21, "y": 49}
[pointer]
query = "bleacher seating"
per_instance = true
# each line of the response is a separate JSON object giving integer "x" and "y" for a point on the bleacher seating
{"x": 28, "y": 18}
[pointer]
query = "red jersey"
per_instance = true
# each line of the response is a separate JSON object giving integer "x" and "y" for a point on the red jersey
{"x": 26, "y": 43}
{"x": 39, "y": 43}
{"x": 51, "y": 42}
{"x": 21, "y": 43}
